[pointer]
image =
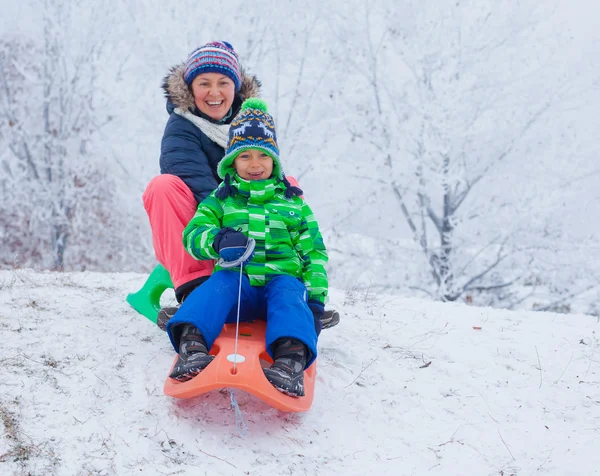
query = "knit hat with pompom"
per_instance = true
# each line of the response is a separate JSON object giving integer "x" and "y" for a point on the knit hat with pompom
{"x": 253, "y": 128}
{"x": 214, "y": 57}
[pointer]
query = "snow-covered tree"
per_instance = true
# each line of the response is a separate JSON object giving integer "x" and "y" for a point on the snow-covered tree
{"x": 450, "y": 95}
{"x": 55, "y": 189}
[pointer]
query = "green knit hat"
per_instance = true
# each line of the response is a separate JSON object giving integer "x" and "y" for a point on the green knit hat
{"x": 253, "y": 128}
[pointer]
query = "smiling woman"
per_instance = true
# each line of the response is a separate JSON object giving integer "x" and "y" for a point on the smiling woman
{"x": 213, "y": 94}
{"x": 203, "y": 96}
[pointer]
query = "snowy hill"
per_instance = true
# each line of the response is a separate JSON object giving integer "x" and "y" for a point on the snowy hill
{"x": 404, "y": 387}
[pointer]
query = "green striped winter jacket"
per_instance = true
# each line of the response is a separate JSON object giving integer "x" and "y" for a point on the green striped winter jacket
{"x": 287, "y": 235}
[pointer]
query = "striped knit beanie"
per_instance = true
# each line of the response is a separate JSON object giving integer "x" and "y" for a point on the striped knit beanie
{"x": 253, "y": 128}
{"x": 215, "y": 57}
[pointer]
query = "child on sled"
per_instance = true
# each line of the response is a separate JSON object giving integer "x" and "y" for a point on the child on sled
{"x": 284, "y": 281}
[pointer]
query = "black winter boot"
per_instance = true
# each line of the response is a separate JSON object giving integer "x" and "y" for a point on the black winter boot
{"x": 330, "y": 319}
{"x": 165, "y": 315}
{"x": 193, "y": 355}
{"x": 287, "y": 372}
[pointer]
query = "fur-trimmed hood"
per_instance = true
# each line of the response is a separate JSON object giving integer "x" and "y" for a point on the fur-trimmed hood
{"x": 178, "y": 93}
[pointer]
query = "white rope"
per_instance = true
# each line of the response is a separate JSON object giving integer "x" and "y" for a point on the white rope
{"x": 239, "y": 418}
{"x": 237, "y": 325}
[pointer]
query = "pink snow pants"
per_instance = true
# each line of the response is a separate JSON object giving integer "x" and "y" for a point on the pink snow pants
{"x": 170, "y": 205}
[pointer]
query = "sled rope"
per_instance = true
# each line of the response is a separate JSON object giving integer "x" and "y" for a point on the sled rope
{"x": 239, "y": 418}
{"x": 237, "y": 324}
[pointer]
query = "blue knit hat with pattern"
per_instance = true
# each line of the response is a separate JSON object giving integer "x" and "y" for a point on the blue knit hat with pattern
{"x": 253, "y": 128}
{"x": 214, "y": 57}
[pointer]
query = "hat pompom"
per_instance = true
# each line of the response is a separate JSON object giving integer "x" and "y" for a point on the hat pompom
{"x": 225, "y": 189}
{"x": 255, "y": 103}
{"x": 290, "y": 190}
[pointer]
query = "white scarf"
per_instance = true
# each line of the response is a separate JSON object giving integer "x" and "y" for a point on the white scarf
{"x": 218, "y": 133}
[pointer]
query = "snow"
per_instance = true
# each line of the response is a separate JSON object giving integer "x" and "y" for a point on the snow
{"x": 404, "y": 387}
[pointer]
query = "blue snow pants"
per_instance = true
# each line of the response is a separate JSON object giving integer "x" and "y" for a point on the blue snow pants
{"x": 283, "y": 301}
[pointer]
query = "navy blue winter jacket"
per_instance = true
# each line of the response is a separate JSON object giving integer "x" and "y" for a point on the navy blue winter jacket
{"x": 185, "y": 150}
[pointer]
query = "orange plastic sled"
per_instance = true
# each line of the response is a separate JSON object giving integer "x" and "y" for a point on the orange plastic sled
{"x": 252, "y": 356}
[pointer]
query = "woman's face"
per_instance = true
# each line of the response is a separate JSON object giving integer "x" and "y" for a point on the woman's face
{"x": 213, "y": 94}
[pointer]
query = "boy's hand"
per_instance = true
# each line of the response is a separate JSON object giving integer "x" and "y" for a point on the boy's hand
{"x": 231, "y": 244}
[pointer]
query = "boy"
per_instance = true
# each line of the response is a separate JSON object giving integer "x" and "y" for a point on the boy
{"x": 284, "y": 281}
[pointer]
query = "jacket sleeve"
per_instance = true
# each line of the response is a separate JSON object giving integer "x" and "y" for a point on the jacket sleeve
{"x": 199, "y": 234}
{"x": 182, "y": 155}
{"x": 308, "y": 242}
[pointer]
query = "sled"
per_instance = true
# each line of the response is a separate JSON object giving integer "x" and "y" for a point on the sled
{"x": 250, "y": 359}
{"x": 146, "y": 300}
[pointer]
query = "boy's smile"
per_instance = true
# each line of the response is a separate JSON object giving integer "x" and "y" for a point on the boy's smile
{"x": 253, "y": 164}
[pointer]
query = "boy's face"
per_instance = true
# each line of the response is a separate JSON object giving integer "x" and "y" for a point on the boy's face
{"x": 253, "y": 164}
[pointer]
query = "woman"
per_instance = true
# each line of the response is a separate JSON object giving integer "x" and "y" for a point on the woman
{"x": 204, "y": 94}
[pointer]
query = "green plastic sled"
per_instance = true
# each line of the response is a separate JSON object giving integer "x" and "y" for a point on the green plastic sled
{"x": 146, "y": 301}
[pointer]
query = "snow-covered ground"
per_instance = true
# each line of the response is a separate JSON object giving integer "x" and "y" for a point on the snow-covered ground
{"x": 404, "y": 387}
